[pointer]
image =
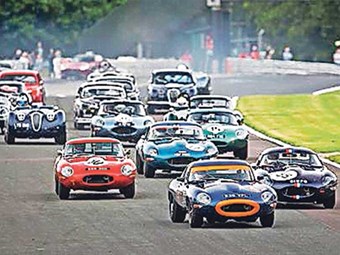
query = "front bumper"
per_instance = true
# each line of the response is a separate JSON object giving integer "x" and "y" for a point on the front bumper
{"x": 215, "y": 210}
{"x": 98, "y": 181}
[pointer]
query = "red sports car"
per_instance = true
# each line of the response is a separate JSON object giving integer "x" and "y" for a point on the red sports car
{"x": 96, "y": 164}
{"x": 33, "y": 82}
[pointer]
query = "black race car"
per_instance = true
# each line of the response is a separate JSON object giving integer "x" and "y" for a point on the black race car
{"x": 297, "y": 175}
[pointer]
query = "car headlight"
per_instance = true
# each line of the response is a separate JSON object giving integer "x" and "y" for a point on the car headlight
{"x": 50, "y": 116}
{"x": 67, "y": 171}
{"x": 327, "y": 180}
{"x": 211, "y": 150}
{"x": 241, "y": 134}
{"x": 147, "y": 123}
{"x": 267, "y": 196}
{"x": 21, "y": 116}
{"x": 203, "y": 198}
{"x": 153, "y": 152}
{"x": 126, "y": 170}
{"x": 99, "y": 122}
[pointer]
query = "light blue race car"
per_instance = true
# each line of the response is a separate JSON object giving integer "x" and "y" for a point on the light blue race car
{"x": 171, "y": 146}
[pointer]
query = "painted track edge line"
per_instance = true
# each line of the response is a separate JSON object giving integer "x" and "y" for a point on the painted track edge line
{"x": 327, "y": 90}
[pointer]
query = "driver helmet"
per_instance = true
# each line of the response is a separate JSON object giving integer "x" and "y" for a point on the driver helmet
{"x": 22, "y": 100}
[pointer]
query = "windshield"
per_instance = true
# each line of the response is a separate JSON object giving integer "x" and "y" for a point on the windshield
{"x": 187, "y": 131}
{"x": 105, "y": 149}
{"x": 207, "y": 102}
{"x": 126, "y": 84}
{"x": 173, "y": 77}
{"x": 216, "y": 117}
{"x": 102, "y": 91}
{"x": 227, "y": 172}
{"x": 10, "y": 89}
{"x": 30, "y": 79}
{"x": 289, "y": 158}
{"x": 126, "y": 108}
{"x": 84, "y": 58}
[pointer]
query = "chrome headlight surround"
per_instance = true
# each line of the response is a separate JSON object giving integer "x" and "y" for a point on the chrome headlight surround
{"x": 152, "y": 152}
{"x": 147, "y": 123}
{"x": 203, "y": 198}
{"x": 241, "y": 134}
{"x": 126, "y": 170}
{"x": 21, "y": 116}
{"x": 99, "y": 122}
{"x": 67, "y": 171}
{"x": 268, "y": 197}
{"x": 326, "y": 180}
{"x": 50, "y": 116}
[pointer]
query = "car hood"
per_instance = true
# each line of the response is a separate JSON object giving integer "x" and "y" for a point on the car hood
{"x": 177, "y": 86}
{"x": 83, "y": 163}
{"x": 125, "y": 120}
{"x": 181, "y": 145}
{"x": 297, "y": 174}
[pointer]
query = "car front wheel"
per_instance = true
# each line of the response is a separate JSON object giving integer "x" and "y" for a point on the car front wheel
{"x": 63, "y": 192}
{"x": 329, "y": 203}
{"x": 195, "y": 220}
{"x": 139, "y": 164}
{"x": 267, "y": 221}
{"x": 129, "y": 191}
{"x": 149, "y": 172}
{"x": 176, "y": 212}
{"x": 242, "y": 153}
{"x": 9, "y": 138}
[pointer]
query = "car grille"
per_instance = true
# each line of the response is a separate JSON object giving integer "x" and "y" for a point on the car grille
{"x": 181, "y": 161}
{"x": 303, "y": 191}
{"x": 36, "y": 121}
{"x": 98, "y": 179}
{"x": 124, "y": 130}
{"x": 237, "y": 208}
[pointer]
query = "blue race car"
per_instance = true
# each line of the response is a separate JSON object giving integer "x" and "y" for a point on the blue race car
{"x": 220, "y": 190}
{"x": 36, "y": 122}
{"x": 297, "y": 175}
{"x": 125, "y": 120}
{"x": 171, "y": 146}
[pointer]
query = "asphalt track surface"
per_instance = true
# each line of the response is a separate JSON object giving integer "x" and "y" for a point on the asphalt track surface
{"x": 34, "y": 221}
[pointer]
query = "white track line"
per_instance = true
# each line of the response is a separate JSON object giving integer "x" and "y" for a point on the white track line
{"x": 324, "y": 91}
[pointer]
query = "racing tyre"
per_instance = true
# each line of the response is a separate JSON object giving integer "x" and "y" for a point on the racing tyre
{"x": 329, "y": 203}
{"x": 61, "y": 138}
{"x": 176, "y": 212}
{"x": 63, "y": 192}
{"x": 129, "y": 191}
{"x": 195, "y": 220}
{"x": 267, "y": 221}
{"x": 149, "y": 172}
{"x": 9, "y": 138}
{"x": 242, "y": 153}
{"x": 139, "y": 164}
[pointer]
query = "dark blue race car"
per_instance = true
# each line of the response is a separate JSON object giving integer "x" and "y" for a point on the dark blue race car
{"x": 297, "y": 175}
{"x": 36, "y": 122}
{"x": 171, "y": 146}
{"x": 220, "y": 190}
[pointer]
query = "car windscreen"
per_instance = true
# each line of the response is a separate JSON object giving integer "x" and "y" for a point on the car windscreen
{"x": 84, "y": 58}
{"x": 213, "y": 117}
{"x": 96, "y": 91}
{"x": 126, "y": 108}
{"x": 27, "y": 79}
{"x": 207, "y": 102}
{"x": 126, "y": 84}
{"x": 183, "y": 131}
{"x": 10, "y": 88}
{"x": 228, "y": 172}
{"x": 291, "y": 158}
{"x": 172, "y": 77}
{"x": 98, "y": 148}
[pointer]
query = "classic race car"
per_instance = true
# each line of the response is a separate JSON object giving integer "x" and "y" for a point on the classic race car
{"x": 89, "y": 95}
{"x": 224, "y": 129}
{"x": 127, "y": 83}
{"x": 124, "y": 120}
{"x": 166, "y": 85}
{"x": 32, "y": 80}
{"x": 97, "y": 164}
{"x": 36, "y": 122}
{"x": 181, "y": 109}
{"x": 171, "y": 146}
{"x": 297, "y": 175}
{"x": 81, "y": 65}
{"x": 220, "y": 190}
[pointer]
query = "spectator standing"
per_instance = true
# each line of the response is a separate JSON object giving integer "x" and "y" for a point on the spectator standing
{"x": 269, "y": 52}
{"x": 24, "y": 61}
{"x": 186, "y": 58}
{"x": 254, "y": 52}
{"x": 39, "y": 56}
{"x": 50, "y": 58}
{"x": 57, "y": 64}
{"x": 17, "y": 54}
{"x": 287, "y": 54}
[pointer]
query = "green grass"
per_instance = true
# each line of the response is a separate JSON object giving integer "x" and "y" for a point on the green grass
{"x": 335, "y": 158}
{"x": 301, "y": 120}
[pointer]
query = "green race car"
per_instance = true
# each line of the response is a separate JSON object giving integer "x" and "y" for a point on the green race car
{"x": 224, "y": 128}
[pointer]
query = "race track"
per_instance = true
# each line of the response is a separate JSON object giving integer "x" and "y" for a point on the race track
{"x": 34, "y": 221}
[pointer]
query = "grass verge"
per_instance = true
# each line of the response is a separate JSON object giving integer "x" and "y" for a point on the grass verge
{"x": 302, "y": 120}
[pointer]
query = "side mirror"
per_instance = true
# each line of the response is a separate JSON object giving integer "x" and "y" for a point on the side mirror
{"x": 59, "y": 152}
{"x": 240, "y": 121}
{"x": 180, "y": 179}
{"x": 260, "y": 178}
{"x": 41, "y": 82}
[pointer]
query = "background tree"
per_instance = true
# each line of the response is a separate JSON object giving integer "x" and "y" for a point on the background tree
{"x": 309, "y": 27}
{"x": 55, "y": 22}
